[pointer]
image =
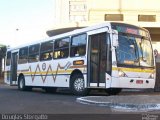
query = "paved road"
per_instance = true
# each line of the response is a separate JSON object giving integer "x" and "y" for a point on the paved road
{"x": 37, "y": 101}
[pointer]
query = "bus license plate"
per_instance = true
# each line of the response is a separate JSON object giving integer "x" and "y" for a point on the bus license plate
{"x": 139, "y": 81}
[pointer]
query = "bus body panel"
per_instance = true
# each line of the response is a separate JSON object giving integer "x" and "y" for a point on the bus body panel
{"x": 7, "y": 75}
{"x": 53, "y": 73}
{"x": 124, "y": 82}
{"x": 108, "y": 80}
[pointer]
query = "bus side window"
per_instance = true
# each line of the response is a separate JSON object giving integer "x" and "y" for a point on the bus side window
{"x": 46, "y": 51}
{"x": 78, "y": 45}
{"x": 23, "y": 55}
{"x": 34, "y": 53}
{"x": 61, "y": 48}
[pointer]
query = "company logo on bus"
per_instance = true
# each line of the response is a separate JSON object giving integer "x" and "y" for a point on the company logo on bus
{"x": 43, "y": 66}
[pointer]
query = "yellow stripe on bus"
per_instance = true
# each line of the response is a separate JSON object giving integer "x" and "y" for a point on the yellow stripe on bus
{"x": 50, "y": 72}
{"x": 134, "y": 70}
{"x": 69, "y": 71}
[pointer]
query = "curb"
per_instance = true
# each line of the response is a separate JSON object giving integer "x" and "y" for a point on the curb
{"x": 134, "y": 107}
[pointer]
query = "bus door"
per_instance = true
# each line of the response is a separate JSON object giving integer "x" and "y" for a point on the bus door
{"x": 97, "y": 59}
{"x": 13, "y": 74}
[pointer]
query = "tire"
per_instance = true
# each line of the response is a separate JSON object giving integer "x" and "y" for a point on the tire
{"x": 113, "y": 91}
{"x": 77, "y": 85}
{"x": 22, "y": 86}
{"x": 50, "y": 89}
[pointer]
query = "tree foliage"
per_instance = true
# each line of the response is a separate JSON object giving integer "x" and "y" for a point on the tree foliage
{"x": 3, "y": 50}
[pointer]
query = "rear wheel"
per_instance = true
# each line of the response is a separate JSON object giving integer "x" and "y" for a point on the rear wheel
{"x": 21, "y": 84}
{"x": 77, "y": 85}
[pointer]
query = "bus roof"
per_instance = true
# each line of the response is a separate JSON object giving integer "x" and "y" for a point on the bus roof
{"x": 74, "y": 32}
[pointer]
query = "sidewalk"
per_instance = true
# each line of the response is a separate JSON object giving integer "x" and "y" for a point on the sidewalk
{"x": 132, "y": 103}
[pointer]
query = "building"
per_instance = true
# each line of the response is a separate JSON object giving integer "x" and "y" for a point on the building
{"x": 80, "y": 13}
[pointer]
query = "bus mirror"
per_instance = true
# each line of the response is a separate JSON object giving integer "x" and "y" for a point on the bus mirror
{"x": 115, "y": 39}
{"x": 155, "y": 52}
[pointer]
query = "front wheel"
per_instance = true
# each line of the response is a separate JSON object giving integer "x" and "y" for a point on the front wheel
{"x": 77, "y": 85}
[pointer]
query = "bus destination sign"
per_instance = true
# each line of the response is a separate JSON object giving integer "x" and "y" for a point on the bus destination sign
{"x": 130, "y": 30}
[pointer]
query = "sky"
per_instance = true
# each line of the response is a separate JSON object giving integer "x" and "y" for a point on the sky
{"x": 24, "y": 21}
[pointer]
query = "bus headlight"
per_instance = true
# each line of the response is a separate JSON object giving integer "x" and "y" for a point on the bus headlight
{"x": 121, "y": 74}
{"x": 151, "y": 76}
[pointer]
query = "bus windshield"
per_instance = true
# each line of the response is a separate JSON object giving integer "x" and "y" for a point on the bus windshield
{"x": 134, "y": 51}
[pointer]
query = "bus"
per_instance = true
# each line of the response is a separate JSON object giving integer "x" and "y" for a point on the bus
{"x": 109, "y": 56}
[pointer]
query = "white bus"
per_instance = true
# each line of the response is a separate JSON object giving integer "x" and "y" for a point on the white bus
{"x": 108, "y": 56}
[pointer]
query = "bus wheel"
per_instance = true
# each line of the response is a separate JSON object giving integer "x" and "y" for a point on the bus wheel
{"x": 113, "y": 91}
{"x": 77, "y": 85}
{"x": 21, "y": 84}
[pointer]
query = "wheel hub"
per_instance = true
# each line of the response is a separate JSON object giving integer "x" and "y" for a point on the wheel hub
{"x": 79, "y": 84}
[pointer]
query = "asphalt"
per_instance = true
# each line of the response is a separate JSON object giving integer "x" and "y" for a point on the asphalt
{"x": 129, "y": 100}
{"x": 134, "y": 103}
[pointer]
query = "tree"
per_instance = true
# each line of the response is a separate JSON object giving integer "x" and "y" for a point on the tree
{"x": 3, "y": 50}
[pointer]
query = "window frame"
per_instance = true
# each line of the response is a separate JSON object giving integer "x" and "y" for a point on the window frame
{"x": 37, "y": 53}
{"x": 146, "y": 18}
{"x": 61, "y": 48}
{"x": 78, "y": 45}
{"x": 121, "y": 16}
{"x": 47, "y": 51}
{"x": 26, "y": 55}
